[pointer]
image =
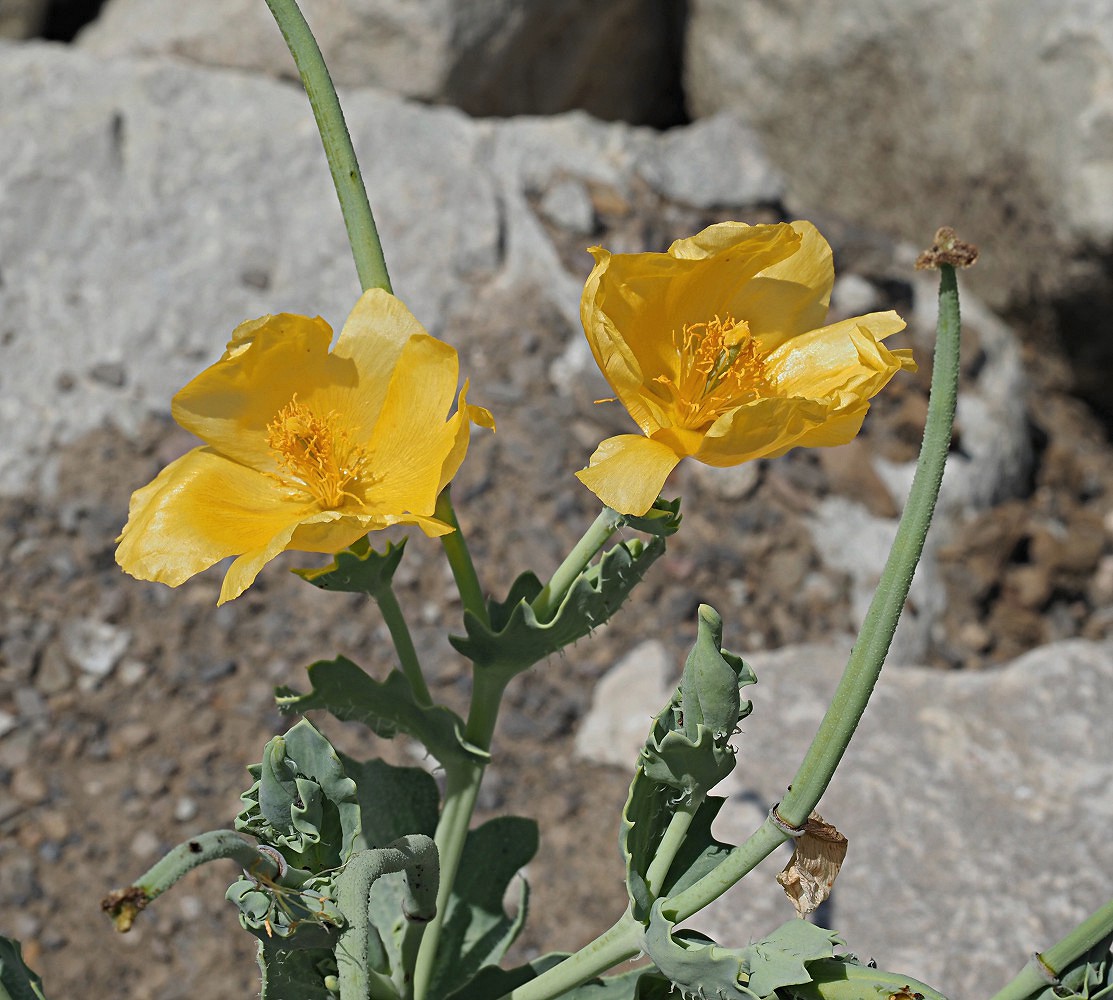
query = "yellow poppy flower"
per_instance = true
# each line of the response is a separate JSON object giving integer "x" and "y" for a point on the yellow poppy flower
{"x": 717, "y": 350}
{"x": 304, "y": 449}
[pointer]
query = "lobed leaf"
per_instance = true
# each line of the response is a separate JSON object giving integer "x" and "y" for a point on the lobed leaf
{"x": 516, "y": 639}
{"x": 358, "y": 569}
{"x": 386, "y": 707}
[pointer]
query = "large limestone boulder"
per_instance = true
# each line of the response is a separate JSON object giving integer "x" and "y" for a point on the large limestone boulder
{"x": 617, "y": 60}
{"x": 994, "y": 117}
{"x": 960, "y": 796}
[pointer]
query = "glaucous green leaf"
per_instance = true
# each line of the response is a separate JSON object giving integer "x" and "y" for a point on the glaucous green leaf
{"x": 17, "y": 981}
{"x": 358, "y": 569}
{"x": 477, "y": 930}
{"x": 386, "y": 707}
{"x": 516, "y": 639}
{"x": 295, "y": 975}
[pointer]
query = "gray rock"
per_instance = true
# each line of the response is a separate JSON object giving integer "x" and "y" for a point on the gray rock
{"x": 624, "y": 703}
{"x": 994, "y": 119}
{"x": 966, "y": 854}
{"x": 489, "y": 57}
{"x": 94, "y": 647}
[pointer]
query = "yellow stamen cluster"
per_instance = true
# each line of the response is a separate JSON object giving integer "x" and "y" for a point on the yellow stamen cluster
{"x": 315, "y": 455}
{"x": 720, "y": 366}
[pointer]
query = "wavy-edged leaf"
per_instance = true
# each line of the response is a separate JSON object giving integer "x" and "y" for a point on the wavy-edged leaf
{"x": 663, "y": 518}
{"x": 697, "y": 966}
{"x": 516, "y": 639}
{"x": 477, "y": 931}
{"x": 685, "y": 755}
{"x": 386, "y": 707}
{"x": 17, "y": 981}
{"x": 358, "y": 570}
{"x": 846, "y": 978}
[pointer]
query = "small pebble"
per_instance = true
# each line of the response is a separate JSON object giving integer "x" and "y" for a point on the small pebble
{"x": 145, "y": 844}
{"x": 185, "y": 809}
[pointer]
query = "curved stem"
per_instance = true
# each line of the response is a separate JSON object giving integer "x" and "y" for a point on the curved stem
{"x": 416, "y": 857}
{"x": 868, "y": 655}
{"x": 459, "y": 559}
{"x": 1059, "y": 957}
{"x": 354, "y": 206}
{"x": 616, "y": 944}
{"x": 122, "y": 905}
{"x": 403, "y": 643}
{"x": 605, "y": 525}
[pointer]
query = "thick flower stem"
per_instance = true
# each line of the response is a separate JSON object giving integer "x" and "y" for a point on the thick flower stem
{"x": 868, "y": 655}
{"x": 616, "y": 944}
{"x": 1059, "y": 957}
{"x": 605, "y": 525}
{"x": 459, "y": 559}
{"x": 462, "y": 781}
{"x": 670, "y": 844}
{"x": 403, "y": 643}
{"x": 358, "y": 219}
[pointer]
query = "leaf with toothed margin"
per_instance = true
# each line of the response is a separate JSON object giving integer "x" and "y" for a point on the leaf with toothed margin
{"x": 359, "y": 569}
{"x": 386, "y": 707}
{"x": 697, "y": 966}
{"x": 685, "y": 755}
{"x": 663, "y": 518}
{"x": 516, "y": 639}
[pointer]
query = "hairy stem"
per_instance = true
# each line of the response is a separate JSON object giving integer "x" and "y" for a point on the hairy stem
{"x": 868, "y": 655}
{"x": 354, "y": 206}
{"x": 605, "y": 525}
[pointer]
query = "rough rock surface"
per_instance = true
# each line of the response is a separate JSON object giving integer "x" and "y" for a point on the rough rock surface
{"x": 994, "y": 118}
{"x": 959, "y": 797}
{"x": 148, "y": 207}
{"x": 490, "y": 58}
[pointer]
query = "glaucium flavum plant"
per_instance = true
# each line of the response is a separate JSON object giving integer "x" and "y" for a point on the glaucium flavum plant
{"x": 362, "y": 880}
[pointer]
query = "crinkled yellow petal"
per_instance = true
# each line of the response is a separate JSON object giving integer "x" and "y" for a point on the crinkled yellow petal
{"x": 200, "y": 509}
{"x": 413, "y": 437}
{"x": 460, "y": 427}
{"x": 839, "y": 429}
{"x": 846, "y": 357}
{"x": 268, "y": 360}
{"x": 792, "y": 296}
{"x": 372, "y": 338}
{"x": 627, "y": 472}
{"x": 758, "y": 429}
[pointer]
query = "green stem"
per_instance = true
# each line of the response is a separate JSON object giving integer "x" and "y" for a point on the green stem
{"x": 360, "y": 223}
{"x": 670, "y": 843}
{"x": 462, "y": 781}
{"x": 605, "y": 525}
{"x": 403, "y": 643}
{"x": 621, "y": 941}
{"x": 1059, "y": 957}
{"x": 123, "y": 904}
{"x": 459, "y": 559}
{"x": 416, "y": 857}
{"x": 868, "y": 655}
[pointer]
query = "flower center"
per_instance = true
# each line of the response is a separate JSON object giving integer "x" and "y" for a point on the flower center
{"x": 720, "y": 366}
{"x": 315, "y": 455}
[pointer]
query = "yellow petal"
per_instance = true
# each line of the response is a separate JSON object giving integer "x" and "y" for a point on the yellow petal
{"x": 627, "y": 472}
{"x": 844, "y": 357}
{"x": 839, "y": 429}
{"x": 413, "y": 437}
{"x": 791, "y": 296}
{"x": 460, "y": 427}
{"x": 268, "y": 360}
{"x": 759, "y": 429}
{"x": 198, "y": 510}
{"x": 373, "y": 338}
